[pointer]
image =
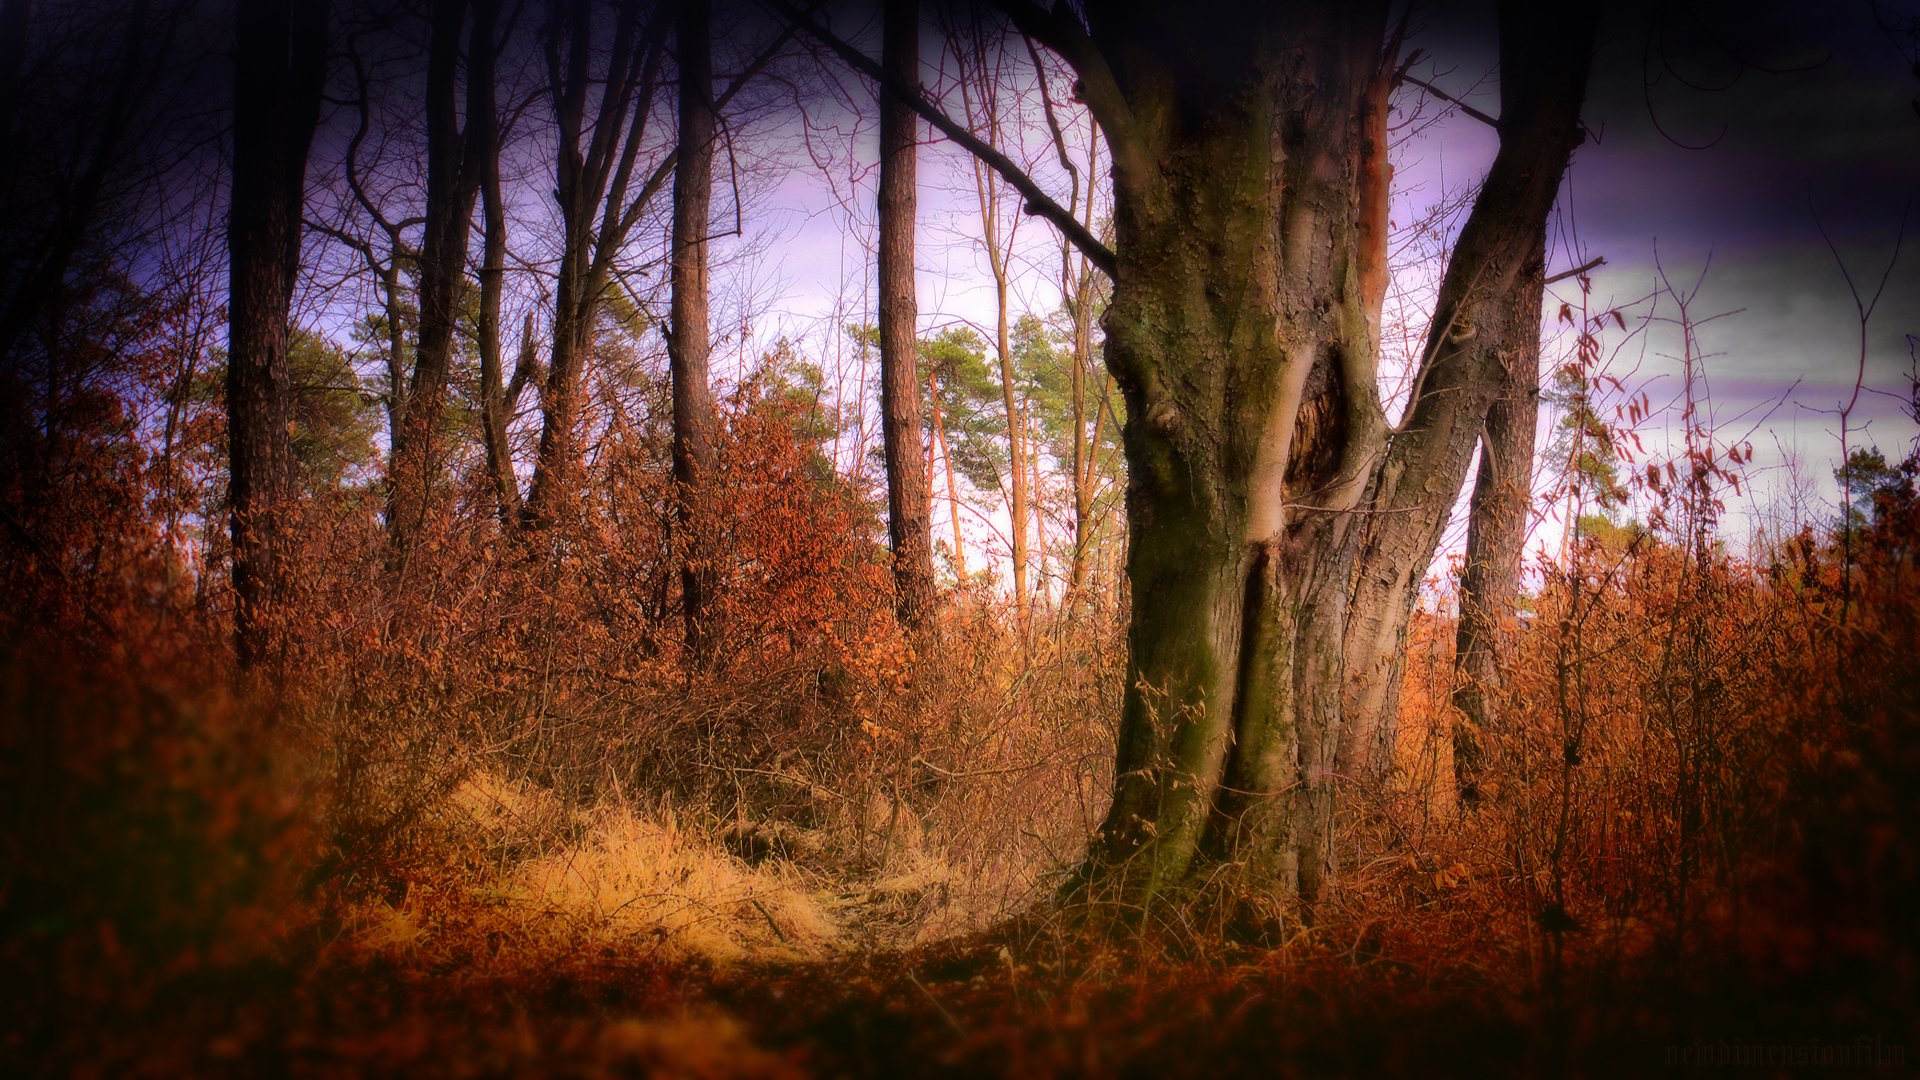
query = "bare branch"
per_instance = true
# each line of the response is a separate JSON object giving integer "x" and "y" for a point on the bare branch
{"x": 1591, "y": 264}
{"x": 1059, "y": 29}
{"x": 1444, "y": 96}
{"x": 1038, "y": 202}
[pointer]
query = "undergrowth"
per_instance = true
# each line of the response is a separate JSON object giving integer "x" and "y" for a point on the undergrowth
{"x": 487, "y": 817}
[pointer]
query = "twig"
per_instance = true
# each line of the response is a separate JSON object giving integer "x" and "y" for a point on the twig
{"x": 1590, "y": 264}
{"x": 1444, "y": 96}
{"x": 951, "y": 1022}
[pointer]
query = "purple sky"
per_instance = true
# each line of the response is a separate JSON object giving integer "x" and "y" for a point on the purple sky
{"x": 1815, "y": 112}
{"x": 1720, "y": 131}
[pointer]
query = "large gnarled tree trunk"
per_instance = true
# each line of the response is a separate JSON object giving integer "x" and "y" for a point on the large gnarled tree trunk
{"x": 1276, "y": 525}
{"x": 1239, "y": 333}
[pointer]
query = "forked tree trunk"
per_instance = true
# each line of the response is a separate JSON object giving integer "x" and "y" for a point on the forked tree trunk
{"x": 909, "y": 513}
{"x": 603, "y": 196}
{"x": 1479, "y": 333}
{"x": 688, "y": 342}
{"x": 979, "y": 93}
{"x": 499, "y": 398}
{"x": 1271, "y": 517}
{"x": 457, "y": 163}
{"x": 593, "y": 168}
{"x": 1249, "y": 177}
{"x": 1496, "y": 543}
{"x": 1238, "y": 333}
{"x": 279, "y": 70}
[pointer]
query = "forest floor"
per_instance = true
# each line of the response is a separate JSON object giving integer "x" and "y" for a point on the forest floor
{"x": 1026, "y": 999}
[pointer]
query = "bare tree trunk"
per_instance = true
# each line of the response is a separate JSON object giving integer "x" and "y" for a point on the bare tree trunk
{"x": 986, "y": 121}
{"x": 593, "y": 168}
{"x": 1085, "y": 443}
{"x": 1036, "y": 498}
{"x": 1249, "y": 166}
{"x": 1016, "y": 451}
{"x": 279, "y": 69}
{"x": 909, "y": 513}
{"x": 1543, "y": 60}
{"x": 457, "y": 163}
{"x": 688, "y": 343}
{"x": 1077, "y": 292}
{"x": 953, "y": 489}
{"x": 1496, "y": 539}
{"x": 497, "y": 400}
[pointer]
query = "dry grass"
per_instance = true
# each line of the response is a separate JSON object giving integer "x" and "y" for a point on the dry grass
{"x": 608, "y": 875}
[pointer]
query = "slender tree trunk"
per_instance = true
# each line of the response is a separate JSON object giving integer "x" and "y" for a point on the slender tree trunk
{"x": 688, "y": 343}
{"x": 1544, "y": 58}
{"x": 953, "y": 489}
{"x": 909, "y": 513}
{"x": 987, "y": 187}
{"x": 457, "y": 164}
{"x": 279, "y": 70}
{"x": 1036, "y": 499}
{"x": 1083, "y": 444}
{"x": 496, "y": 405}
{"x": 498, "y": 399}
{"x": 593, "y": 166}
{"x": 396, "y": 349}
{"x": 1496, "y": 540}
{"x": 1077, "y": 293}
{"x": 1016, "y": 453}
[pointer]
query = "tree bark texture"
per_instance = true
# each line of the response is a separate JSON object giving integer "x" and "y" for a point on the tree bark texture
{"x": 279, "y": 70}
{"x": 1238, "y": 335}
{"x": 689, "y": 341}
{"x": 457, "y": 164}
{"x": 1496, "y": 540}
{"x": 1276, "y": 525}
{"x": 1473, "y": 342}
{"x": 593, "y": 171}
{"x": 909, "y": 510}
